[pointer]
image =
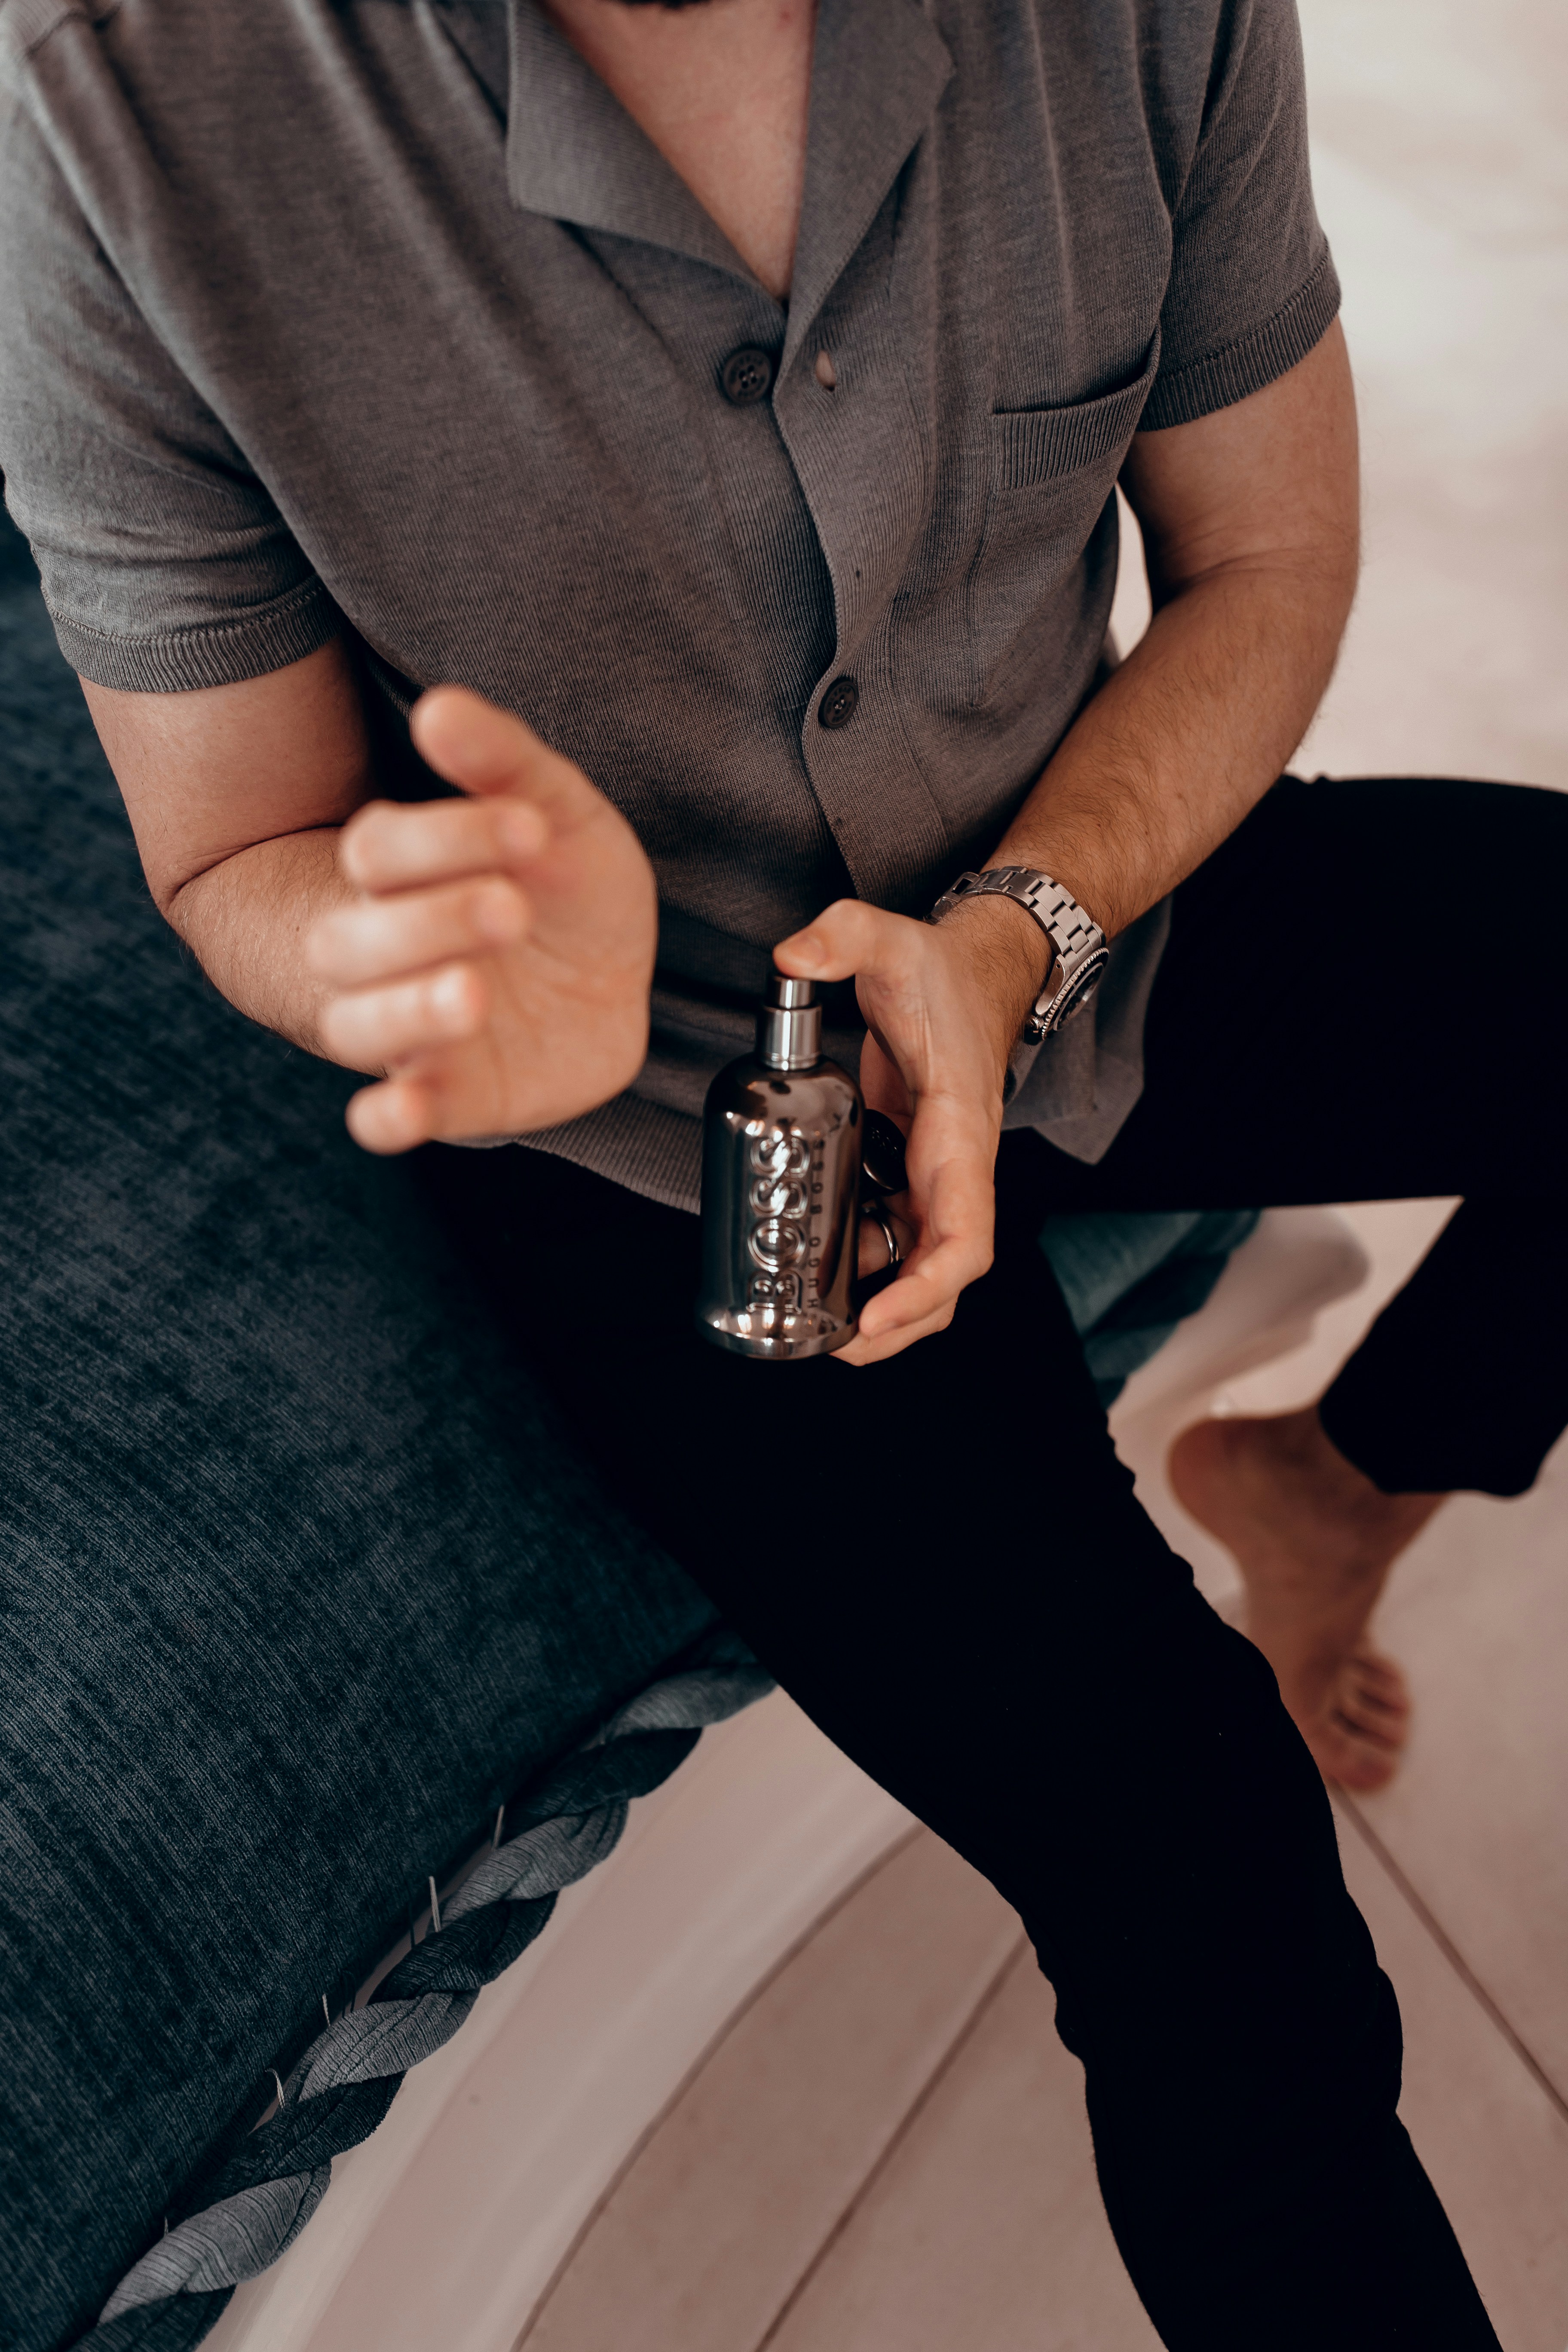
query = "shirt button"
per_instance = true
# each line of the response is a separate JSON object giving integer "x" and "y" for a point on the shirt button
{"x": 826, "y": 375}
{"x": 747, "y": 375}
{"x": 836, "y": 708}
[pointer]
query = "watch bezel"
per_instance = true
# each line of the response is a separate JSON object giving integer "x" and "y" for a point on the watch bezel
{"x": 1071, "y": 994}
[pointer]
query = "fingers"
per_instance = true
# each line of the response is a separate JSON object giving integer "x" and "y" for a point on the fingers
{"x": 407, "y": 969}
{"x": 928, "y": 1284}
{"x": 492, "y": 953}
{"x": 389, "y": 847}
{"x": 400, "y": 957}
{"x": 393, "y": 1116}
{"x": 862, "y": 1350}
{"x": 375, "y": 938}
{"x": 922, "y": 1056}
{"x": 874, "y": 1258}
{"x": 487, "y": 752}
{"x": 377, "y": 1028}
{"x": 952, "y": 1250}
{"x": 525, "y": 797}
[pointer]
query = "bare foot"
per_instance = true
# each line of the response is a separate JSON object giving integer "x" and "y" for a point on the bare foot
{"x": 1315, "y": 1539}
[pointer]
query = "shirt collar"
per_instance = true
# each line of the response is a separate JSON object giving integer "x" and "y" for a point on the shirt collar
{"x": 574, "y": 153}
{"x": 879, "y": 69}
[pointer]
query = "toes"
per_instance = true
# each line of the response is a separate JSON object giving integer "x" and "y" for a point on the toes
{"x": 1366, "y": 1734}
{"x": 1356, "y": 1764}
{"x": 1345, "y": 1753}
{"x": 1369, "y": 1717}
{"x": 1358, "y": 1726}
{"x": 1374, "y": 1667}
{"x": 1357, "y": 1733}
{"x": 1371, "y": 1697}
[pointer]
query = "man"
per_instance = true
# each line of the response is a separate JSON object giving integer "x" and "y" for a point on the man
{"x": 721, "y": 411}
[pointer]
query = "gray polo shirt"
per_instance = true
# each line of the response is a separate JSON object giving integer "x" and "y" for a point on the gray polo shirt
{"x": 382, "y": 316}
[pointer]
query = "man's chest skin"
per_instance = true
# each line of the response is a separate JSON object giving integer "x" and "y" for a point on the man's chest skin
{"x": 723, "y": 92}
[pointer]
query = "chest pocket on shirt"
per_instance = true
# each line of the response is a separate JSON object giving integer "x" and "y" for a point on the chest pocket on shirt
{"x": 1052, "y": 470}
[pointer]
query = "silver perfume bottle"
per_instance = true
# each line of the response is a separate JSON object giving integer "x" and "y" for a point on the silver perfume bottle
{"x": 781, "y": 1179}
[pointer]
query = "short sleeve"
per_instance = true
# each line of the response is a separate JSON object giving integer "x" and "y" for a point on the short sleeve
{"x": 164, "y": 563}
{"x": 1252, "y": 287}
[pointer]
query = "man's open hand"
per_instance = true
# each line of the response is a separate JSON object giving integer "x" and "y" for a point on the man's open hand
{"x": 496, "y": 960}
{"x": 944, "y": 1005}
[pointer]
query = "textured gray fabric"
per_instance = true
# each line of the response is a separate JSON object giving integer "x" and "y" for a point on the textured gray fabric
{"x": 384, "y": 312}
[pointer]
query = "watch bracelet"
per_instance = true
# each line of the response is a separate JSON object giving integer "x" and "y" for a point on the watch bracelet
{"x": 1047, "y": 902}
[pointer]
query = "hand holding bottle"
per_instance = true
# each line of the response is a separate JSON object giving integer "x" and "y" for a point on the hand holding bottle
{"x": 944, "y": 1005}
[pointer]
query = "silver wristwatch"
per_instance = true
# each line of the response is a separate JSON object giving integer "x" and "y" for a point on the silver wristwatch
{"x": 1081, "y": 954}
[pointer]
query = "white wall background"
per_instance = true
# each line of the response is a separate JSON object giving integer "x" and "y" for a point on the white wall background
{"x": 1440, "y": 150}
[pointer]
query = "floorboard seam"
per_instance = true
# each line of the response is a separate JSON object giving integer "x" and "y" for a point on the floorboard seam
{"x": 896, "y": 2138}
{"x": 710, "y": 2050}
{"x": 1453, "y": 1954}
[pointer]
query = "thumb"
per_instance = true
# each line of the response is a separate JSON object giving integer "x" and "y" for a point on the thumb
{"x": 491, "y": 752}
{"x": 849, "y": 937}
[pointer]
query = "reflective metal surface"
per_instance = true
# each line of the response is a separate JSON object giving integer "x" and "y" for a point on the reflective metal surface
{"x": 789, "y": 1027}
{"x": 780, "y": 1167}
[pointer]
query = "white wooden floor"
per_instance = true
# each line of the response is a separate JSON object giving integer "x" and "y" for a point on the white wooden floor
{"x": 887, "y": 2152}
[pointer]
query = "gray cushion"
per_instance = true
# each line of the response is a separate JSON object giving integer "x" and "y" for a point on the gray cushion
{"x": 297, "y": 1579}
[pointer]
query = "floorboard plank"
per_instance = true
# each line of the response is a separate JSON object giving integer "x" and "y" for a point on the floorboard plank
{"x": 985, "y": 2229}
{"x": 702, "y": 2241}
{"x": 1494, "y": 2143}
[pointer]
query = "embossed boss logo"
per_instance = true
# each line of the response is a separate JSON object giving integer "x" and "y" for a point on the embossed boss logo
{"x": 779, "y": 1199}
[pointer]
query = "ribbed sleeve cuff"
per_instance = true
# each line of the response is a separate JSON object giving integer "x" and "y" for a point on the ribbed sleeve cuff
{"x": 1227, "y": 376}
{"x": 180, "y": 660}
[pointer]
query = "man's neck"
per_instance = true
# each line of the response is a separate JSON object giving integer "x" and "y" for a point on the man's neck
{"x": 722, "y": 88}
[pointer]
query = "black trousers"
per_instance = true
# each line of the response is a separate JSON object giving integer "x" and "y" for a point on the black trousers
{"x": 941, "y": 1557}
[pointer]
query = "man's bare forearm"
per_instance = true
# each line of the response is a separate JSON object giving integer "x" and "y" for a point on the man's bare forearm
{"x": 1251, "y": 522}
{"x": 237, "y": 795}
{"x": 1186, "y": 737}
{"x": 247, "y": 920}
